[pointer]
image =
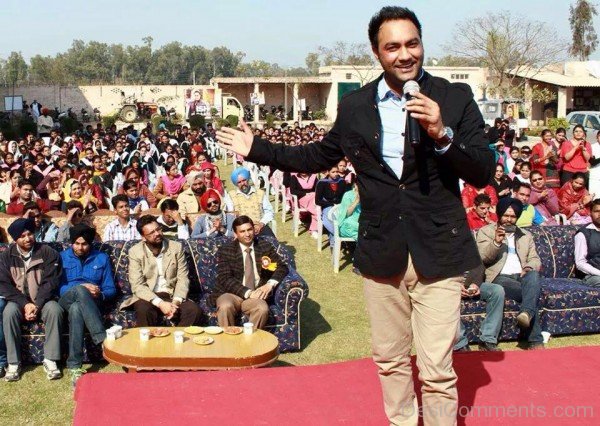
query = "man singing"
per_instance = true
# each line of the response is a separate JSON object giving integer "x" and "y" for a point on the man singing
{"x": 414, "y": 243}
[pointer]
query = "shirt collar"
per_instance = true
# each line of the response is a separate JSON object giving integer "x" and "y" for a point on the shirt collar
{"x": 384, "y": 91}
{"x": 243, "y": 247}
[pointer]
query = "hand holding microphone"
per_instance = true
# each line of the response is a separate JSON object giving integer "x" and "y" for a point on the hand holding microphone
{"x": 422, "y": 112}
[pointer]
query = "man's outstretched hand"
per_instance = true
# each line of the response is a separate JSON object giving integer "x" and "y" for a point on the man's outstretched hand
{"x": 238, "y": 141}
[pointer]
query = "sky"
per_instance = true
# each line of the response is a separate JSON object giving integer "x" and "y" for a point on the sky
{"x": 276, "y": 31}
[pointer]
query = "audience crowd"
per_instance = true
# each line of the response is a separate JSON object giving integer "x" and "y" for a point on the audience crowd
{"x": 161, "y": 187}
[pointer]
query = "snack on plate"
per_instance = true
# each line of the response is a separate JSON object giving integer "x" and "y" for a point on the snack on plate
{"x": 233, "y": 330}
{"x": 193, "y": 329}
{"x": 159, "y": 332}
{"x": 203, "y": 340}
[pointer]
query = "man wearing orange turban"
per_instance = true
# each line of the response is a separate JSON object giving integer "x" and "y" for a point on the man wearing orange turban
{"x": 215, "y": 222}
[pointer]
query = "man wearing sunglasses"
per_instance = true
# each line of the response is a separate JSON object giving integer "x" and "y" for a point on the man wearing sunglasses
{"x": 215, "y": 222}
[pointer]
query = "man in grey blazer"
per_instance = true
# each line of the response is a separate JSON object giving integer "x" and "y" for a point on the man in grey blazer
{"x": 158, "y": 274}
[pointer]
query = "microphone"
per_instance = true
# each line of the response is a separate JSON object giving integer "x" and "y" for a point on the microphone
{"x": 413, "y": 129}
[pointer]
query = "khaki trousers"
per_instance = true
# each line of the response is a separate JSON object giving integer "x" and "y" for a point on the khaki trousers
{"x": 409, "y": 309}
{"x": 229, "y": 306}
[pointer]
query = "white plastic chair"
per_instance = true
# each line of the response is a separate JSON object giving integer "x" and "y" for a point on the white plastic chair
{"x": 319, "y": 228}
{"x": 337, "y": 240}
{"x": 284, "y": 202}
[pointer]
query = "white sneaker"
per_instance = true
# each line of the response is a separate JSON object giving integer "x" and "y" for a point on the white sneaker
{"x": 13, "y": 373}
{"x": 314, "y": 235}
{"x": 51, "y": 369}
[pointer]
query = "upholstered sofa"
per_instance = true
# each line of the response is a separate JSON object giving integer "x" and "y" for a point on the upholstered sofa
{"x": 567, "y": 306}
{"x": 284, "y": 316}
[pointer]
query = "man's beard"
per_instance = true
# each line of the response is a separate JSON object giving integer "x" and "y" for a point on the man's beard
{"x": 245, "y": 189}
{"x": 199, "y": 191}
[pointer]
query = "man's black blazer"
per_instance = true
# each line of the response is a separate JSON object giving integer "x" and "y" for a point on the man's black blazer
{"x": 230, "y": 267}
{"x": 420, "y": 213}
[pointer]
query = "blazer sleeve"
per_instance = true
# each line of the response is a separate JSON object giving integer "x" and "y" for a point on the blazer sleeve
{"x": 468, "y": 155}
{"x": 183, "y": 281}
{"x": 226, "y": 279}
{"x": 51, "y": 275}
{"x": 139, "y": 287}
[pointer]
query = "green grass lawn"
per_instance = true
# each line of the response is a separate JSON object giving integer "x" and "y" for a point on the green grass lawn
{"x": 334, "y": 328}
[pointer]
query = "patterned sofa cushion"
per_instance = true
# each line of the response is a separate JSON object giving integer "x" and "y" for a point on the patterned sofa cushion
{"x": 556, "y": 247}
{"x": 568, "y": 293}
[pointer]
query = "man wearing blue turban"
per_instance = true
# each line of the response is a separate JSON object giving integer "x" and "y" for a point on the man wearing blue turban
{"x": 250, "y": 201}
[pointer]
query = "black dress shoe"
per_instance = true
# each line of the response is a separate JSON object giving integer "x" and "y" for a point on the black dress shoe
{"x": 535, "y": 346}
{"x": 464, "y": 348}
{"x": 489, "y": 347}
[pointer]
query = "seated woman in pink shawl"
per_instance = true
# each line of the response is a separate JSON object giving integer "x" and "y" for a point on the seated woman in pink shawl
{"x": 544, "y": 199}
{"x": 170, "y": 184}
{"x": 574, "y": 200}
{"x": 303, "y": 186}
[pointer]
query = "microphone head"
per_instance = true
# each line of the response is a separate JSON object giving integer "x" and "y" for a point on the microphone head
{"x": 411, "y": 87}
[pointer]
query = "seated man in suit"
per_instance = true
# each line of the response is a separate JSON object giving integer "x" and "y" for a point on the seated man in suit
{"x": 248, "y": 270}
{"x": 158, "y": 274}
{"x": 86, "y": 282}
{"x": 29, "y": 279}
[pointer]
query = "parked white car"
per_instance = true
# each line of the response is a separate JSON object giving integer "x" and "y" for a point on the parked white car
{"x": 590, "y": 120}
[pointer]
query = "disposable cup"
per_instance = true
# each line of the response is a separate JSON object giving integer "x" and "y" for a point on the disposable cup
{"x": 144, "y": 334}
{"x": 118, "y": 331}
{"x": 546, "y": 336}
{"x": 110, "y": 334}
{"x": 248, "y": 328}
{"x": 178, "y": 336}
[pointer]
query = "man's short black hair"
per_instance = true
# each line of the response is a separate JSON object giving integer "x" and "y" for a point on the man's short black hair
{"x": 74, "y": 204}
{"x": 31, "y": 205}
{"x": 482, "y": 199}
{"x": 128, "y": 184}
{"x": 25, "y": 182}
{"x": 169, "y": 204}
{"x": 518, "y": 185}
{"x": 596, "y": 202}
{"x": 390, "y": 13}
{"x": 241, "y": 220}
{"x": 118, "y": 198}
{"x": 143, "y": 221}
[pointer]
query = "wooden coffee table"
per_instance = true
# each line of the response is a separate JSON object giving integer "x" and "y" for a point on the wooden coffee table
{"x": 162, "y": 353}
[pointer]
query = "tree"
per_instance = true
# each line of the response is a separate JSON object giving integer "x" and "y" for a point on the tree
{"x": 224, "y": 62}
{"x": 453, "y": 61}
{"x": 507, "y": 45}
{"x": 40, "y": 69}
{"x": 581, "y": 20}
{"x": 356, "y": 55}
{"x": 313, "y": 63}
{"x": 15, "y": 69}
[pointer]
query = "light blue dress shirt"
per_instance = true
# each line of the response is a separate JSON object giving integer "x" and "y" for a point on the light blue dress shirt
{"x": 392, "y": 110}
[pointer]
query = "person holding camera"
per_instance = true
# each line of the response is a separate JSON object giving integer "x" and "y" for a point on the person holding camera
{"x": 511, "y": 260}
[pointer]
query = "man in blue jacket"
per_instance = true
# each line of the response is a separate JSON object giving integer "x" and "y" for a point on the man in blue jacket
{"x": 87, "y": 281}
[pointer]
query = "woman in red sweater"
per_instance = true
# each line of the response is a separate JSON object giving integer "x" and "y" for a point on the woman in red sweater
{"x": 576, "y": 155}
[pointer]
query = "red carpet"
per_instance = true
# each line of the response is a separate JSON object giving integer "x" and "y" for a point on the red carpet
{"x": 547, "y": 387}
